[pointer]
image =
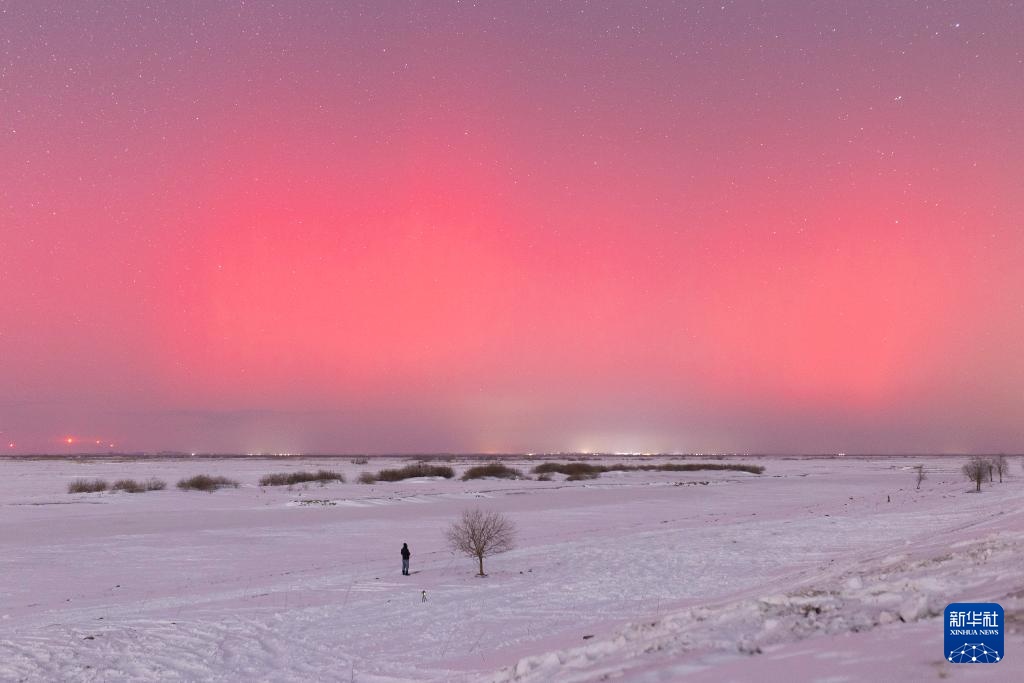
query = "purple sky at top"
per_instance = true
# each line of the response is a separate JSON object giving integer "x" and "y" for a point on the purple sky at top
{"x": 539, "y": 226}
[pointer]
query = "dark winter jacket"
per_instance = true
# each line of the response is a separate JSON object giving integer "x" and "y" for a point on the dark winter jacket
{"x": 405, "y": 552}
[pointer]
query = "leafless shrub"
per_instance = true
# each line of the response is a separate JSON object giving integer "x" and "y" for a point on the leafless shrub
{"x": 582, "y": 470}
{"x": 154, "y": 484}
{"x": 359, "y": 461}
{"x": 204, "y": 482}
{"x": 291, "y": 478}
{"x": 698, "y": 467}
{"x": 570, "y": 469}
{"x": 367, "y": 478}
{"x": 1002, "y": 466}
{"x": 976, "y": 469}
{"x": 87, "y": 486}
{"x": 419, "y": 469}
{"x": 495, "y": 469}
{"x": 481, "y": 534}
{"x": 920, "y": 474}
{"x": 128, "y": 486}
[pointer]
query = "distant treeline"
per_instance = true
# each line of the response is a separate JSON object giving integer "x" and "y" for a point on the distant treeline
{"x": 585, "y": 470}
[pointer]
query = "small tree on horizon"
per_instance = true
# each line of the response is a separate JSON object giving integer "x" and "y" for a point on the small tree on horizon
{"x": 1002, "y": 466}
{"x": 480, "y": 534}
{"x": 921, "y": 476}
{"x": 976, "y": 469}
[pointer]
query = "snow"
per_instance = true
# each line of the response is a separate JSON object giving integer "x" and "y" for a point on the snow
{"x": 805, "y": 572}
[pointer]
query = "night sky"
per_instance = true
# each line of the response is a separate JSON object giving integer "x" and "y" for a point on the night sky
{"x": 514, "y": 226}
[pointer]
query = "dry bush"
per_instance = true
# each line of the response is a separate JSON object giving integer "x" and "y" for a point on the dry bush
{"x": 544, "y": 477}
{"x": 367, "y": 478}
{"x": 128, "y": 486}
{"x": 154, "y": 484}
{"x": 569, "y": 468}
{"x": 1001, "y": 465}
{"x": 359, "y": 461}
{"x": 701, "y": 466}
{"x": 920, "y": 474}
{"x": 87, "y": 486}
{"x": 291, "y": 478}
{"x": 976, "y": 469}
{"x": 495, "y": 469}
{"x": 480, "y": 534}
{"x": 581, "y": 470}
{"x": 279, "y": 479}
{"x": 416, "y": 470}
{"x": 205, "y": 482}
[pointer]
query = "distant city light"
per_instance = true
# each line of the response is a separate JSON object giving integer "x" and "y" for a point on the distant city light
{"x": 69, "y": 440}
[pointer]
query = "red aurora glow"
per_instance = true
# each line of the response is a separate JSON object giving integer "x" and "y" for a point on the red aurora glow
{"x": 342, "y": 227}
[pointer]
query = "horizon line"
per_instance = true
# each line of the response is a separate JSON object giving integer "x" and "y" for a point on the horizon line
{"x": 499, "y": 454}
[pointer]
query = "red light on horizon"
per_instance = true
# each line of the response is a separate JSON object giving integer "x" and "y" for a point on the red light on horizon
{"x": 69, "y": 440}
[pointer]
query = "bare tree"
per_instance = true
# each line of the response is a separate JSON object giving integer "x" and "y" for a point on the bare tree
{"x": 1002, "y": 466}
{"x": 480, "y": 534}
{"x": 921, "y": 476}
{"x": 975, "y": 469}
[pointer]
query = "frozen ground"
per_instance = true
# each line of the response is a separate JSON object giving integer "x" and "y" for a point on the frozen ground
{"x": 803, "y": 573}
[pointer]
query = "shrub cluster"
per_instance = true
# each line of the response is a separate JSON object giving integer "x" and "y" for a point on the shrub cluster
{"x": 570, "y": 468}
{"x": 495, "y": 469}
{"x": 204, "y": 482}
{"x": 87, "y": 486}
{"x": 979, "y": 469}
{"x": 577, "y": 471}
{"x": 367, "y": 478}
{"x": 126, "y": 485}
{"x": 419, "y": 469}
{"x": 290, "y": 478}
{"x": 693, "y": 467}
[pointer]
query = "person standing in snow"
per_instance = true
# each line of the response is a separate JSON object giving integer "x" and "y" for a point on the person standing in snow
{"x": 405, "y": 559}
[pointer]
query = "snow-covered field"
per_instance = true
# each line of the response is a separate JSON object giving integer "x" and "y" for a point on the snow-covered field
{"x": 805, "y": 572}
